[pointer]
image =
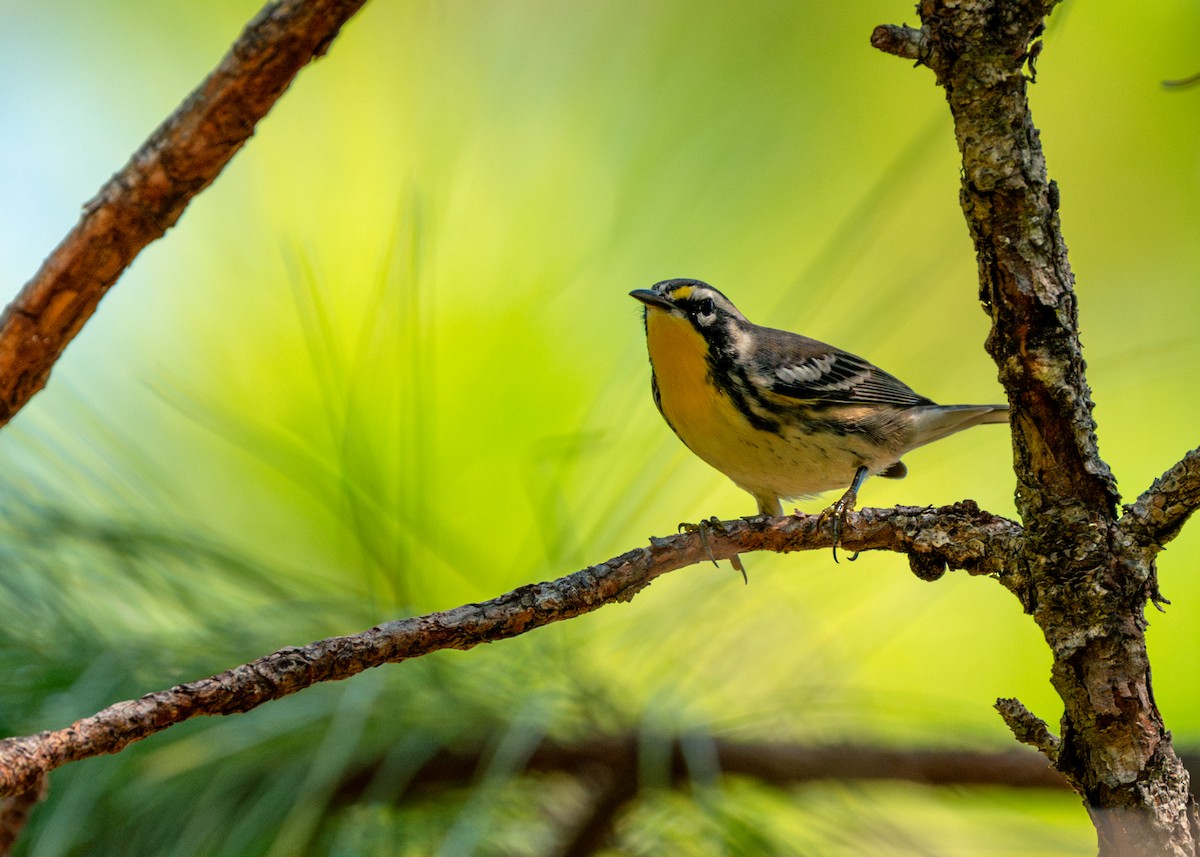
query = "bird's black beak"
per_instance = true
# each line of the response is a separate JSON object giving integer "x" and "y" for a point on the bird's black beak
{"x": 652, "y": 299}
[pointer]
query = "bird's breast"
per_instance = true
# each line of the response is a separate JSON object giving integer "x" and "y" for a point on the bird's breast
{"x": 802, "y": 454}
{"x": 704, "y": 416}
{"x": 689, "y": 400}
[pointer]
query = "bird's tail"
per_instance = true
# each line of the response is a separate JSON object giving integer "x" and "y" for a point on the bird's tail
{"x": 938, "y": 421}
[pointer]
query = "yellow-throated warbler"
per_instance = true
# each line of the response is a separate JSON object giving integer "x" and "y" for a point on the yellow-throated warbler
{"x": 782, "y": 415}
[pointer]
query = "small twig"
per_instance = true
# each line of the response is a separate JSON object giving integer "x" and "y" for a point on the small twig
{"x": 145, "y": 199}
{"x": 1160, "y": 512}
{"x": 962, "y": 535}
{"x": 902, "y": 41}
{"x": 1029, "y": 728}
{"x": 1182, "y": 82}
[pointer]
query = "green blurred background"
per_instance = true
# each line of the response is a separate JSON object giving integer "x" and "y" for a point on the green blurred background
{"x": 387, "y": 365}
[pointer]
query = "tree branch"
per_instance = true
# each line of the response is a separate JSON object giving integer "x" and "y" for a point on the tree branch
{"x": 614, "y": 783}
{"x": 145, "y": 199}
{"x": 978, "y": 50}
{"x": 773, "y": 762}
{"x": 608, "y": 765}
{"x": 1029, "y": 728}
{"x": 1164, "y": 507}
{"x": 961, "y": 535}
{"x": 902, "y": 41}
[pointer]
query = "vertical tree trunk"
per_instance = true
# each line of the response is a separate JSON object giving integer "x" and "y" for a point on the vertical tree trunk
{"x": 1085, "y": 586}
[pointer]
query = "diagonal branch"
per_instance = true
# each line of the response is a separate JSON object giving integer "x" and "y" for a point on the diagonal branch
{"x": 1029, "y": 728}
{"x": 1164, "y": 507}
{"x": 145, "y": 199}
{"x": 962, "y": 536}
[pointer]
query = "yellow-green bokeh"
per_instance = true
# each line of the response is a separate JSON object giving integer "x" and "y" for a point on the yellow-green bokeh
{"x": 390, "y": 351}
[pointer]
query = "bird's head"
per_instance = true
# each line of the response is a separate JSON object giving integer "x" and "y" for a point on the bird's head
{"x": 697, "y": 303}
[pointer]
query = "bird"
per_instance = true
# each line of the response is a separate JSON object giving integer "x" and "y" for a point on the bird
{"x": 781, "y": 415}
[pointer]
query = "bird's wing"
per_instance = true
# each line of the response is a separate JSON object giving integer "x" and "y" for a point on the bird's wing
{"x": 796, "y": 367}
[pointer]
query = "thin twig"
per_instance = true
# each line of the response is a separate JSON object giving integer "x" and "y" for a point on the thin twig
{"x": 145, "y": 199}
{"x": 1182, "y": 82}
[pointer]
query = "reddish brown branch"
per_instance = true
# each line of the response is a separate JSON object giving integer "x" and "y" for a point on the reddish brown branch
{"x": 147, "y": 197}
{"x": 960, "y": 535}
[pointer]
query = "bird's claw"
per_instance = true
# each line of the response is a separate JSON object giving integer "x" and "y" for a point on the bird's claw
{"x": 702, "y": 528}
{"x": 838, "y": 512}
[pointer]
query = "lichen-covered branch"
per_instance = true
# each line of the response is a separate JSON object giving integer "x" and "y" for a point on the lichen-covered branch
{"x": 1164, "y": 507}
{"x": 1087, "y": 577}
{"x": 961, "y": 536}
{"x": 146, "y": 197}
{"x": 1028, "y": 728}
{"x": 902, "y": 41}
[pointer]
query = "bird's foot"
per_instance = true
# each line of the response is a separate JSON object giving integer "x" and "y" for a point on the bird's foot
{"x": 736, "y": 562}
{"x": 713, "y": 523}
{"x": 838, "y": 512}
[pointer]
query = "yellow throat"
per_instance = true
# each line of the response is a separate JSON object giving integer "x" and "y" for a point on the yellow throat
{"x": 704, "y": 418}
{"x": 679, "y": 355}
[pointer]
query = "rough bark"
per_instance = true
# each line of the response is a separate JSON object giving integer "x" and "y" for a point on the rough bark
{"x": 1087, "y": 574}
{"x": 146, "y": 197}
{"x": 961, "y": 536}
{"x": 1162, "y": 510}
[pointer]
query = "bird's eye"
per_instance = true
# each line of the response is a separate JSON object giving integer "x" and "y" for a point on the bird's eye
{"x": 706, "y": 311}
